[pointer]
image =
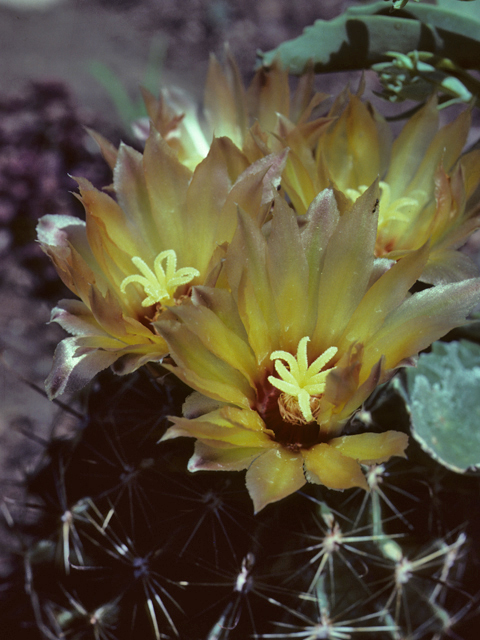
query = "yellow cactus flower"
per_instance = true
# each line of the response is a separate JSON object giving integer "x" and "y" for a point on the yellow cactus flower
{"x": 254, "y": 118}
{"x": 140, "y": 253}
{"x": 312, "y": 323}
{"x": 426, "y": 185}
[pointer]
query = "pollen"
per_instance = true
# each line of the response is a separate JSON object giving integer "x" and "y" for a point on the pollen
{"x": 160, "y": 284}
{"x": 301, "y": 381}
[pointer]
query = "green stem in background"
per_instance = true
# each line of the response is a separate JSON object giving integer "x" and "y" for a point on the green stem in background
{"x": 130, "y": 110}
{"x": 413, "y": 76}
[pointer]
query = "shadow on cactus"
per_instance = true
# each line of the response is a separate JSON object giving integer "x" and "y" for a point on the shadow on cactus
{"x": 170, "y": 555}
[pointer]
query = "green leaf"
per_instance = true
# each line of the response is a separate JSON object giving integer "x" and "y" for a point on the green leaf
{"x": 443, "y": 394}
{"x": 362, "y": 35}
{"x": 399, "y": 4}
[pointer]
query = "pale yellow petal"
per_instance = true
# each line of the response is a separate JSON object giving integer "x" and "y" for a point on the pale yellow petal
{"x": 273, "y": 476}
{"x": 420, "y": 320}
{"x": 371, "y": 448}
{"x": 209, "y": 458}
{"x": 348, "y": 263}
{"x": 326, "y": 465}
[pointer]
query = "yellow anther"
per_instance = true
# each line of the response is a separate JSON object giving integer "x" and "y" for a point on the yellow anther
{"x": 160, "y": 284}
{"x": 353, "y": 194}
{"x": 391, "y": 209}
{"x": 301, "y": 381}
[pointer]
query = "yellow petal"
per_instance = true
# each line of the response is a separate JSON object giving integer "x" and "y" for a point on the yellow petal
{"x": 387, "y": 293}
{"x": 248, "y": 278}
{"x": 133, "y": 197}
{"x": 110, "y": 232}
{"x": 224, "y": 101}
{"x": 355, "y": 147}
{"x": 299, "y": 183}
{"x": 211, "y": 458}
{"x": 201, "y": 369}
{"x": 167, "y": 182}
{"x": 410, "y": 147}
{"x": 274, "y": 475}
{"x": 420, "y": 320}
{"x": 217, "y": 430}
{"x": 205, "y": 198}
{"x": 220, "y": 339}
{"x": 370, "y": 448}
{"x": 108, "y": 313}
{"x": 326, "y": 465}
{"x": 268, "y": 95}
{"x": 288, "y": 274}
{"x": 445, "y": 148}
{"x": 470, "y": 164}
{"x": 346, "y": 269}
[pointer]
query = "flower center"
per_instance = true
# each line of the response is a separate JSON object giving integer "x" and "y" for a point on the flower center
{"x": 301, "y": 384}
{"x": 160, "y": 284}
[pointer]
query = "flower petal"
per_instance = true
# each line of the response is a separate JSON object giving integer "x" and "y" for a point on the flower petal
{"x": 70, "y": 372}
{"x": 249, "y": 281}
{"x": 219, "y": 339}
{"x": 449, "y": 265}
{"x": 224, "y": 101}
{"x": 423, "y": 318}
{"x": 326, "y": 465}
{"x": 167, "y": 182}
{"x": 64, "y": 240}
{"x": 347, "y": 267}
{"x": 371, "y": 448}
{"x": 410, "y": 147}
{"x": 355, "y": 147}
{"x": 217, "y": 430}
{"x": 445, "y": 148}
{"x": 75, "y": 317}
{"x": 205, "y": 198}
{"x": 198, "y": 367}
{"x": 209, "y": 458}
{"x": 133, "y": 195}
{"x": 386, "y": 294}
{"x": 274, "y": 475}
{"x": 288, "y": 275}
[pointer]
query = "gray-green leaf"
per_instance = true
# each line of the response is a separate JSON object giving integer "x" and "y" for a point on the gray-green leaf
{"x": 443, "y": 394}
{"x": 362, "y": 35}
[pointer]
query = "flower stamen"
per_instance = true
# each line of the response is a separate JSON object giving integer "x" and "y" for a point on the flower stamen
{"x": 160, "y": 285}
{"x": 301, "y": 381}
{"x": 391, "y": 209}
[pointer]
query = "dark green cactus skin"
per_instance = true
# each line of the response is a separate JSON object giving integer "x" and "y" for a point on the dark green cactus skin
{"x": 126, "y": 543}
